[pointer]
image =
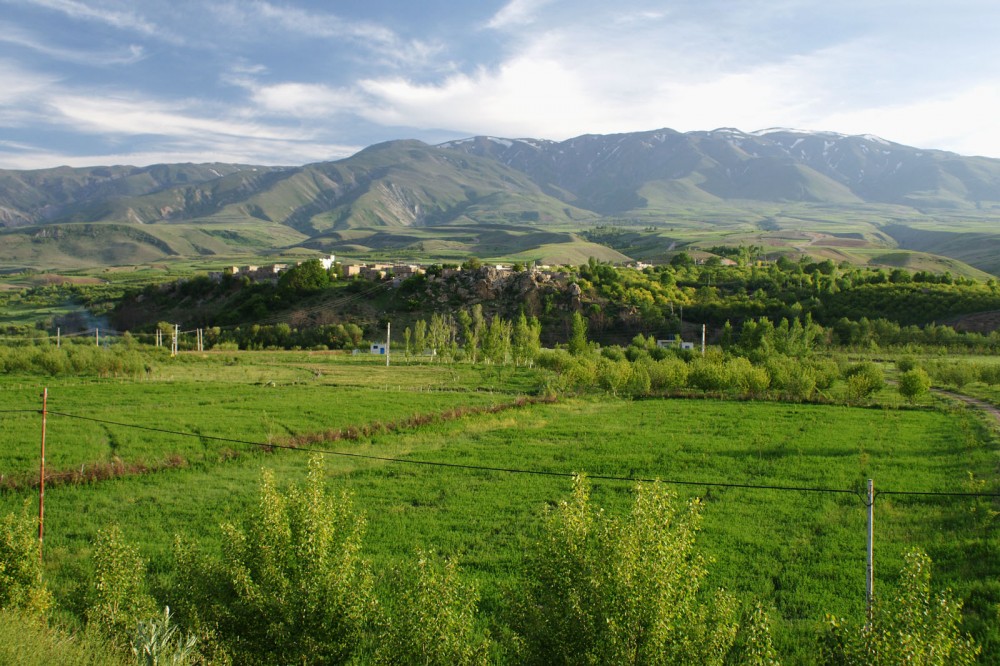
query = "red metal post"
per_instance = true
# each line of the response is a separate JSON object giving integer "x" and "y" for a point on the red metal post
{"x": 41, "y": 476}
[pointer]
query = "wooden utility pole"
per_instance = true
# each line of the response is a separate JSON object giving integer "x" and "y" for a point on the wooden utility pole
{"x": 97, "y": 337}
{"x": 870, "y": 577}
{"x": 41, "y": 476}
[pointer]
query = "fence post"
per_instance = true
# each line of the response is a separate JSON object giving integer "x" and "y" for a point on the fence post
{"x": 41, "y": 477}
{"x": 870, "y": 577}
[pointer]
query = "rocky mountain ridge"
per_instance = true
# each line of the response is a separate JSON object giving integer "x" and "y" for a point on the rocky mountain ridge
{"x": 408, "y": 183}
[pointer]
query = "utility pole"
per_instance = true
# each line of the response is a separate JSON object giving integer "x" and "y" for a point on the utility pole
{"x": 58, "y": 338}
{"x": 97, "y": 337}
{"x": 703, "y": 339}
{"x": 173, "y": 349}
{"x": 41, "y": 476}
{"x": 388, "y": 327}
{"x": 870, "y": 577}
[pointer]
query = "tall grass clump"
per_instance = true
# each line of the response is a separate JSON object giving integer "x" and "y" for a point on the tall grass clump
{"x": 26, "y": 641}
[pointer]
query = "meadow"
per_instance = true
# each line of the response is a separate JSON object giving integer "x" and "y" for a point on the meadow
{"x": 800, "y": 552}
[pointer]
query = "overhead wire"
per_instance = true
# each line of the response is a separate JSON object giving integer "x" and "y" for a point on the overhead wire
{"x": 514, "y": 470}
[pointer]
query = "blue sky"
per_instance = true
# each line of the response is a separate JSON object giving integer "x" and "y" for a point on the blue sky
{"x": 88, "y": 82}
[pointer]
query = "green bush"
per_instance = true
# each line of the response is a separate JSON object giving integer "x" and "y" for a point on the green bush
{"x": 708, "y": 375}
{"x": 623, "y": 591}
{"x": 21, "y": 584}
{"x": 746, "y": 378}
{"x": 955, "y": 374}
{"x": 863, "y": 380}
{"x": 613, "y": 376}
{"x": 432, "y": 617}
{"x": 117, "y": 600}
{"x": 791, "y": 378}
{"x": 914, "y": 627}
{"x": 291, "y": 584}
{"x": 914, "y": 384}
{"x": 668, "y": 374}
{"x": 825, "y": 371}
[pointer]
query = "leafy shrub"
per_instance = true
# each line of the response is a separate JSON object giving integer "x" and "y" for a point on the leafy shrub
{"x": 825, "y": 371}
{"x": 990, "y": 374}
{"x": 21, "y": 584}
{"x": 291, "y": 583}
{"x": 791, "y": 377}
{"x": 432, "y": 619}
{"x": 118, "y": 600}
{"x": 623, "y": 591}
{"x": 914, "y": 627}
{"x": 746, "y": 378}
{"x": 580, "y": 373}
{"x": 707, "y": 375}
{"x": 613, "y": 353}
{"x": 863, "y": 380}
{"x": 614, "y": 376}
{"x": 670, "y": 373}
{"x": 955, "y": 374}
{"x": 914, "y": 384}
{"x": 639, "y": 381}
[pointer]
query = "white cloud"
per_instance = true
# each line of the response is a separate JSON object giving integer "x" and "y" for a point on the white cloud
{"x": 133, "y": 116}
{"x": 560, "y": 85}
{"x": 19, "y": 84}
{"x": 303, "y": 100}
{"x": 516, "y": 13}
{"x": 389, "y": 48}
{"x": 274, "y": 153}
{"x": 114, "y": 18}
{"x": 126, "y": 56}
{"x": 964, "y": 122}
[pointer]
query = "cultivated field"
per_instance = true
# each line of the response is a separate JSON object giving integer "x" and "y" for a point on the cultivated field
{"x": 798, "y": 548}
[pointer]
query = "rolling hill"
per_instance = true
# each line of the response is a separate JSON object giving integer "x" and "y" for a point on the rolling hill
{"x": 520, "y": 198}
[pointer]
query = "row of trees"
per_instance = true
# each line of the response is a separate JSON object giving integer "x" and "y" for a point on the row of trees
{"x": 471, "y": 336}
{"x": 73, "y": 359}
{"x": 291, "y": 585}
{"x": 712, "y": 293}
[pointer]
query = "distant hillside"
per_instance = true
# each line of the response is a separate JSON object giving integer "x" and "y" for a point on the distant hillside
{"x": 520, "y": 198}
{"x": 606, "y": 173}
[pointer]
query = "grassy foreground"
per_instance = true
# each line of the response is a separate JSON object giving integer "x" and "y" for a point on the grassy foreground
{"x": 802, "y": 553}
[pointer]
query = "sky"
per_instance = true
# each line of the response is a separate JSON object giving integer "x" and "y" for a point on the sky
{"x": 289, "y": 82}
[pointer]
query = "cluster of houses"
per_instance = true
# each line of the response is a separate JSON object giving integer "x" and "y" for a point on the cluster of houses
{"x": 381, "y": 271}
{"x": 267, "y": 273}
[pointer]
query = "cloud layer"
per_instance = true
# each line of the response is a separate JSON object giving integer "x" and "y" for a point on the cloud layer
{"x": 101, "y": 81}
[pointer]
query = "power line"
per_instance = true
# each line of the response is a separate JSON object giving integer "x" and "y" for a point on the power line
{"x": 513, "y": 470}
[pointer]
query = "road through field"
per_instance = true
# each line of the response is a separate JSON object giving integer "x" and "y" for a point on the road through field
{"x": 982, "y": 405}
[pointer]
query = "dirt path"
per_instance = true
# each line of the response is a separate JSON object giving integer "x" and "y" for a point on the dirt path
{"x": 981, "y": 405}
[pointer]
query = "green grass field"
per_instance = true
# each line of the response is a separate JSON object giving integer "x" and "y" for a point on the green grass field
{"x": 803, "y": 553}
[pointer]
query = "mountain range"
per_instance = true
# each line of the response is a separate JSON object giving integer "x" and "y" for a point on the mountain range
{"x": 519, "y": 198}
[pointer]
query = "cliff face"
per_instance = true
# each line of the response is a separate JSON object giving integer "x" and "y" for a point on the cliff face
{"x": 502, "y": 292}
